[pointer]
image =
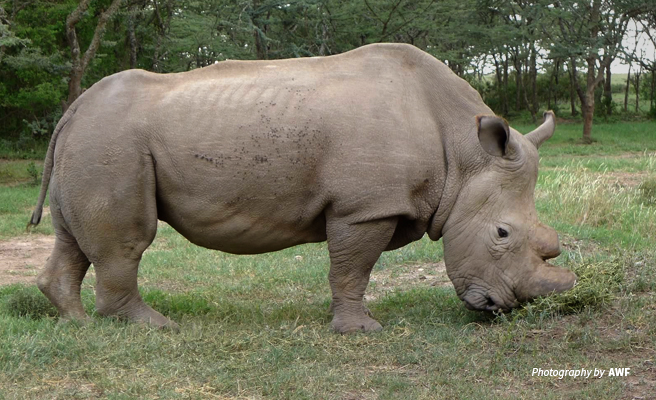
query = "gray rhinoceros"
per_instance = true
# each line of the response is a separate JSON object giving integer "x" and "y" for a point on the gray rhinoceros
{"x": 369, "y": 150}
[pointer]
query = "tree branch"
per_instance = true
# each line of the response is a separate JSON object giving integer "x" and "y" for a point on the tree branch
{"x": 99, "y": 32}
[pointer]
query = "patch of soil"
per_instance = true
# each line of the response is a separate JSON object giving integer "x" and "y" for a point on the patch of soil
{"x": 406, "y": 277}
{"x": 626, "y": 179}
{"x": 21, "y": 258}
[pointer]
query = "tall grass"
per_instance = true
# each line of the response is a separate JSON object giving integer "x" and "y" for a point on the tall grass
{"x": 581, "y": 198}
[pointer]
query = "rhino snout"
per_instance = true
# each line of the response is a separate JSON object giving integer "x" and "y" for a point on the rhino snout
{"x": 546, "y": 280}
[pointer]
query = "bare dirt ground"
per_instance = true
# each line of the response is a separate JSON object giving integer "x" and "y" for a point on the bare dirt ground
{"x": 21, "y": 258}
{"x": 405, "y": 277}
{"x": 626, "y": 179}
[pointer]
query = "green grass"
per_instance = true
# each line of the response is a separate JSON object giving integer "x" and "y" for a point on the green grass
{"x": 16, "y": 205}
{"x": 20, "y": 171}
{"x": 258, "y": 326}
{"x": 23, "y": 150}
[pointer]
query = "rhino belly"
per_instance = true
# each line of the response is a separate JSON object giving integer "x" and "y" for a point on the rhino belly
{"x": 240, "y": 211}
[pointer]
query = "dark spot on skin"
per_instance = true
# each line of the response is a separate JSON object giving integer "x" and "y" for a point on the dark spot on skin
{"x": 233, "y": 201}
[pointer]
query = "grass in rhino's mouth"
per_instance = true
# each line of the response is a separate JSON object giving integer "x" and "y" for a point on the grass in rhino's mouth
{"x": 599, "y": 281}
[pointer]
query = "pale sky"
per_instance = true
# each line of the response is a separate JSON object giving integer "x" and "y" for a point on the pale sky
{"x": 643, "y": 46}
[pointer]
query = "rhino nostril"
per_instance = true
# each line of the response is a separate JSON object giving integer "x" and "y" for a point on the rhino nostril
{"x": 492, "y": 305}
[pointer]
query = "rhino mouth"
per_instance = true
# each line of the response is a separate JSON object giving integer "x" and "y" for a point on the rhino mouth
{"x": 478, "y": 301}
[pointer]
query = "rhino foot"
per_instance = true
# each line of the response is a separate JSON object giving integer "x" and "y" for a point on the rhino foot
{"x": 345, "y": 325}
{"x": 134, "y": 310}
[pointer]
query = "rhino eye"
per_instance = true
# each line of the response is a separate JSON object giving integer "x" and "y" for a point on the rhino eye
{"x": 502, "y": 232}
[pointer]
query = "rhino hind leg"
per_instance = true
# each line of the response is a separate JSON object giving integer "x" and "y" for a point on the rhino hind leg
{"x": 117, "y": 293}
{"x": 113, "y": 229}
{"x": 354, "y": 249}
{"x": 116, "y": 261}
{"x": 62, "y": 277}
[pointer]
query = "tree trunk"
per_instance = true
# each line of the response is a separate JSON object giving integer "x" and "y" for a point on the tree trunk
{"x": 498, "y": 74}
{"x": 505, "y": 85}
{"x": 74, "y": 86}
{"x": 588, "y": 113}
{"x": 608, "y": 92}
{"x": 81, "y": 62}
{"x": 161, "y": 32}
{"x": 636, "y": 86}
{"x": 550, "y": 93}
{"x": 259, "y": 45}
{"x": 132, "y": 39}
{"x": 556, "y": 76}
{"x": 529, "y": 107}
{"x": 651, "y": 92}
{"x": 573, "y": 87}
{"x": 588, "y": 97}
{"x": 518, "y": 83}
{"x": 259, "y": 34}
{"x": 626, "y": 90}
{"x": 534, "y": 82}
{"x": 324, "y": 39}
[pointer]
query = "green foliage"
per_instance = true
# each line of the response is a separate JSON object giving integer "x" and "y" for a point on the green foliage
{"x": 32, "y": 72}
{"x": 33, "y": 172}
{"x": 512, "y": 39}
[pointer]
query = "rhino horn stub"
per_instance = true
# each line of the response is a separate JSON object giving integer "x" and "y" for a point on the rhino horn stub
{"x": 543, "y": 132}
{"x": 493, "y": 134}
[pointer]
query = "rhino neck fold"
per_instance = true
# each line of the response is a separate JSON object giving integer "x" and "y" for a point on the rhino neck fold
{"x": 450, "y": 190}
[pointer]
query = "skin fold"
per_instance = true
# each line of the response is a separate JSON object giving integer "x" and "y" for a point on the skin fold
{"x": 368, "y": 150}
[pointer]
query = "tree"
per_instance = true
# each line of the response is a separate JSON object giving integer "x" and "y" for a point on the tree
{"x": 31, "y": 69}
{"x": 7, "y": 37}
{"x": 590, "y": 32}
{"x": 80, "y": 62}
{"x": 648, "y": 29}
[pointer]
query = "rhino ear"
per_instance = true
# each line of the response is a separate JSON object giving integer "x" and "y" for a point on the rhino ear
{"x": 493, "y": 134}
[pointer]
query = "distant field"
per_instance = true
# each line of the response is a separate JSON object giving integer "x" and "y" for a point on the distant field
{"x": 258, "y": 326}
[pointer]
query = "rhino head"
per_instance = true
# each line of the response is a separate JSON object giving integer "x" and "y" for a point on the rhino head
{"x": 495, "y": 249}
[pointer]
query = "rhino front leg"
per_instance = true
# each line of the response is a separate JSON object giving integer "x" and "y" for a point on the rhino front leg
{"x": 354, "y": 249}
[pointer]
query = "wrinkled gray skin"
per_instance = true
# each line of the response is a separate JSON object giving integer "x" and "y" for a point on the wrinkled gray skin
{"x": 368, "y": 150}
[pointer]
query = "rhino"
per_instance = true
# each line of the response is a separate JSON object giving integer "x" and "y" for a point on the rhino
{"x": 368, "y": 150}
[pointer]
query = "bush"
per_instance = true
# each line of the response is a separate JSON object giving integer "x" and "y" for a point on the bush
{"x": 28, "y": 302}
{"x": 648, "y": 191}
{"x": 34, "y": 173}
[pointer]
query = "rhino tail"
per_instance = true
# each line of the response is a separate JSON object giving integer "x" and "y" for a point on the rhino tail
{"x": 47, "y": 168}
